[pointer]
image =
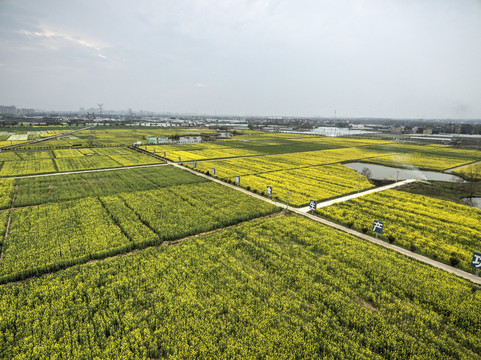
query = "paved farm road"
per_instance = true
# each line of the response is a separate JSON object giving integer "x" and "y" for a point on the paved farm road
{"x": 463, "y": 274}
{"x": 362, "y": 193}
{"x": 303, "y": 212}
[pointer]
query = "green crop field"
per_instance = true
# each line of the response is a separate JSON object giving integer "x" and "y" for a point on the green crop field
{"x": 429, "y": 157}
{"x": 277, "y": 288}
{"x": 308, "y": 183}
{"x": 6, "y": 192}
{"x": 272, "y": 146}
{"x": 39, "y": 190}
{"x": 295, "y": 173}
{"x": 51, "y": 236}
{"x": 113, "y": 136}
{"x": 161, "y": 262}
{"x": 3, "y": 223}
{"x": 49, "y": 161}
{"x": 437, "y": 228}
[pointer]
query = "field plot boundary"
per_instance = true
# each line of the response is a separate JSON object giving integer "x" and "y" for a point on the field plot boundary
{"x": 45, "y": 138}
{"x": 300, "y": 211}
{"x": 359, "y": 194}
{"x": 461, "y": 166}
{"x": 35, "y": 162}
{"x": 7, "y": 227}
{"x": 279, "y": 287}
{"x": 288, "y": 168}
{"x": 84, "y": 171}
{"x": 421, "y": 258}
{"x": 126, "y": 250}
{"x": 461, "y": 273}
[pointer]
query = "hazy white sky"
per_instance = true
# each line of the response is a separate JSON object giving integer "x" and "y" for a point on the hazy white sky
{"x": 363, "y": 58}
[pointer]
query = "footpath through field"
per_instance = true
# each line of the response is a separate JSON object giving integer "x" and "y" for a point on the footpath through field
{"x": 303, "y": 212}
{"x": 356, "y": 195}
{"x": 460, "y": 167}
{"x": 463, "y": 274}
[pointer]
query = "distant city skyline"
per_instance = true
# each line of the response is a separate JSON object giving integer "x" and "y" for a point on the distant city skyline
{"x": 400, "y": 59}
{"x": 6, "y": 110}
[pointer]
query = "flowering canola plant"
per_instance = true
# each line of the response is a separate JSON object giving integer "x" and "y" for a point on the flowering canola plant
{"x": 283, "y": 287}
{"x": 437, "y": 228}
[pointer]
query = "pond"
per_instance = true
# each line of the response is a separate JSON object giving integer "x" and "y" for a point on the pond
{"x": 380, "y": 172}
{"x": 475, "y": 201}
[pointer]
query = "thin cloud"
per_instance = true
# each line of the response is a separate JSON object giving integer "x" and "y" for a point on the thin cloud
{"x": 57, "y": 40}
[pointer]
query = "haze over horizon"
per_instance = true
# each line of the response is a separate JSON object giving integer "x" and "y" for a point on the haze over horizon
{"x": 391, "y": 58}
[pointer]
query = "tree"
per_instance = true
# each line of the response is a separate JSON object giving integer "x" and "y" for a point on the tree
{"x": 472, "y": 174}
{"x": 90, "y": 141}
{"x": 366, "y": 172}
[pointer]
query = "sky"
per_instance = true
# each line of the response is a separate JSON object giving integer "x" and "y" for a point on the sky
{"x": 344, "y": 58}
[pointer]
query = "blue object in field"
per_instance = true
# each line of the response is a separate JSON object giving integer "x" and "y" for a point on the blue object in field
{"x": 377, "y": 226}
{"x": 476, "y": 262}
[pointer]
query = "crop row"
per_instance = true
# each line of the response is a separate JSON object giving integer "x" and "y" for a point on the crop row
{"x": 295, "y": 173}
{"x": 269, "y": 148}
{"x": 9, "y": 142}
{"x": 201, "y": 151}
{"x": 429, "y": 150}
{"x": 37, "y": 162}
{"x": 333, "y": 142}
{"x": 3, "y": 225}
{"x": 281, "y": 288}
{"x": 309, "y": 183}
{"x": 441, "y": 229}
{"x": 39, "y": 190}
{"x": 421, "y": 160}
{"x": 470, "y": 172}
{"x": 55, "y": 235}
{"x": 114, "y": 137}
{"x": 6, "y": 192}
{"x": 228, "y": 168}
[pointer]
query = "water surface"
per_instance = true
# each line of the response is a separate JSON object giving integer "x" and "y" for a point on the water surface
{"x": 475, "y": 201}
{"x": 381, "y": 172}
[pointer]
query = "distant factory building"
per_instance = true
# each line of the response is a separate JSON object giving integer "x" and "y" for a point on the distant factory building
{"x": 10, "y": 110}
{"x": 224, "y": 134}
{"x": 157, "y": 140}
{"x": 187, "y": 140}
